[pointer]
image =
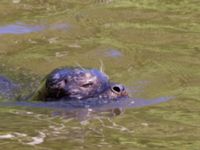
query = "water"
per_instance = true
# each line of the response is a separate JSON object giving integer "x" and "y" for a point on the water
{"x": 21, "y": 28}
{"x": 151, "y": 46}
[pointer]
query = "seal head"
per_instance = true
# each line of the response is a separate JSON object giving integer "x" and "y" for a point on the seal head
{"x": 78, "y": 83}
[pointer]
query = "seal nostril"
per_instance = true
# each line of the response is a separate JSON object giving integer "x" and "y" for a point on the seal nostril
{"x": 116, "y": 89}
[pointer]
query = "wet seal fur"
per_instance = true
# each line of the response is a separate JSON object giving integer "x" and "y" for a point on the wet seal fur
{"x": 78, "y": 84}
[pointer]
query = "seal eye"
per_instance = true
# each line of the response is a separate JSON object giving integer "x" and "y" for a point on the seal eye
{"x": 87, "y": 85}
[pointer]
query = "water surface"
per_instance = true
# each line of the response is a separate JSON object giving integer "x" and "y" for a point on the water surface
{"x": 151, "y": 46}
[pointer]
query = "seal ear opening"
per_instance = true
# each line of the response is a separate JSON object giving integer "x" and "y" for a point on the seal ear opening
{"x": 65, "y": 80}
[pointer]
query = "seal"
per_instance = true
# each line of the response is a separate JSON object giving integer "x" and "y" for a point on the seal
{"x": 8, "y": 89}
{"x": 78, "y": 84}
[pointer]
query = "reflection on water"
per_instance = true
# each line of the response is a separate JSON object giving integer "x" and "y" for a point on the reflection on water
{"x": 113, "y": 53}
{"x": 22, "y": 136}
{"x": 90, "y": 103}
{"x": 22, "y": 28}
{"x": 86, "y": 112}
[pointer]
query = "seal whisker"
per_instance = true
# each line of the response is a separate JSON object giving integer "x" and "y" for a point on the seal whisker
{"x": 101, "y": 68}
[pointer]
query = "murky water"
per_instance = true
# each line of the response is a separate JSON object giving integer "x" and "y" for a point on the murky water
{"x": 151, "y": 46}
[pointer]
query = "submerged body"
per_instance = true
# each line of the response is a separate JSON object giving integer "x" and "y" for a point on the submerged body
{"x": 7, "y": 88}
{"x": 78, "y": 84}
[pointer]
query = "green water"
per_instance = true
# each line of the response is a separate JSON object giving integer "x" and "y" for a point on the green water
{"x": 151, "y": 46}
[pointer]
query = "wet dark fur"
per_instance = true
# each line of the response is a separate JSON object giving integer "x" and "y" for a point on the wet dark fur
{"x": 78, "y": 84}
